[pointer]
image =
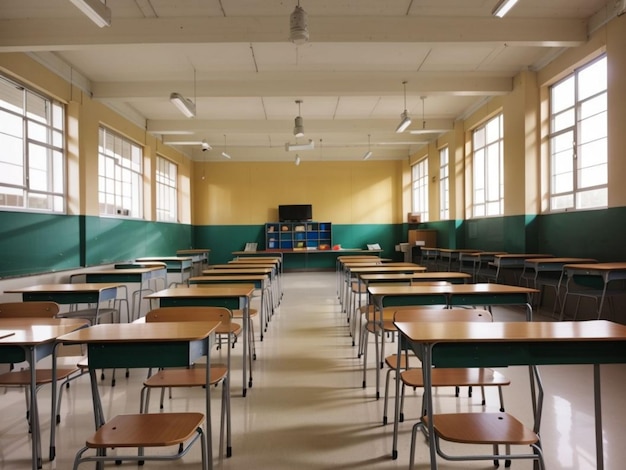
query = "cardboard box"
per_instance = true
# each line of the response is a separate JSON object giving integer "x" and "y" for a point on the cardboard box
{"x": 413, "y": 218}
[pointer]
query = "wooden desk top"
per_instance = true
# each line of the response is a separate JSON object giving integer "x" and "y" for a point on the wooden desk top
{"x": 164, "y": 258}
{"x": 138, "y": 270}
{"x": 464, "y": 289}
{"x": 598, "y": 266}
{"x": 439, "y": 275}
{"x": 142, "y": 332}
{"x": 521, "y": 255}
{"x": 235, "y": 277}
{"x": 387, "y": 269}
{"x": 31, "y": 331}
{"x": 446, "y": 332}
{"x": 240, "y": 290}
{"x": 64, "y": 288}
{"x": 251, "y": 260}
{"x": 482, "y": 254}
{"x": 193, "y": 251}
{"x": 237, "y": 272}
{"x": 243, "y": 266}
{"x": 536, "y": 261}
{"x": 458, "y": 250}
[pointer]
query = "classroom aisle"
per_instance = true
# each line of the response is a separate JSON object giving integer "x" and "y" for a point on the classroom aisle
{"x": 307, "y": 408}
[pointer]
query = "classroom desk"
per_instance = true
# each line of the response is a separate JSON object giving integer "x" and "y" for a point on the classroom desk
{"x": 549, "y": 272}
{"x": 448, "y": 256}
{"x": 260, "y": 281}
{"x": 477, "y": 263}
{"x": 139, "y": 276}
{"x": 69, "y": 294}
{"x": 453, "y": 295}
{"x": 513, "y": 262}
{"x": 595, "y": 280}
{"x": 199, "y": 258}
{"x": 462, "y": 344}
{"x": 383, "y": 268}
{"x": 429, "y": 256}
{"x": 145, "y": 345}
{"x": 229, "y": 297}
{"x": 32, "y": 339}
{"x": 175, "y": 264}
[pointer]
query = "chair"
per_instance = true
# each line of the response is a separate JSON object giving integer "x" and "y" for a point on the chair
{"x": 485, "y": 428}
{"x": 194, "y": 377}
{"x": 94, "y": 313}
{"x": 21, "y": 378}
{"x": 412, "y": 377}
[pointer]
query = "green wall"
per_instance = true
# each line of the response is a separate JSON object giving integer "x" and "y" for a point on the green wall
{"x": 224, "y": 239}
{"x": 33, "y": 243}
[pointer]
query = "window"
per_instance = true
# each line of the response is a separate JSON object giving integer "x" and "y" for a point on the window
{"x": 420, "y": 188}
{"x": 119, "y": 175}
{"x": 578, "y": 140}
{"x": 487, "y": 182}
{"x": 166, "y": 190}
{"x": 32, "y": 159}
{"x": 444, "y": 184}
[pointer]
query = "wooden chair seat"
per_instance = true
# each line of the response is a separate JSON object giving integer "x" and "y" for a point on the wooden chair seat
{"x": 238, "y": 313}
{"x": 455, "y": 377}
{"x": 192, "y": 377}
{"x": 147, "y": 430}
{"x": 482, "y": 428}
{"x": 493, "y": 429}
{"x": 42, "y": 377}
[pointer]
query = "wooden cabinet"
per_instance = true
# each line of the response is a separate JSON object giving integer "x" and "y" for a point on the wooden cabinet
{"x": 298, "y": 236}
{"x": 423, "y": 237}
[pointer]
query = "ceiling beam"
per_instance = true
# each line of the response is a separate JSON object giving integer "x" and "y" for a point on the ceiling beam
{"x": 304, "y": 84}
{"x": 23, "y": 34}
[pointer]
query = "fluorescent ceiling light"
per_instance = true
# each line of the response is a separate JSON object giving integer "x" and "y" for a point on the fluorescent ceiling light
{"x": 503, "y": 7}
{"x": 405, "y": 119}
{"x": 404, "y": 123}
{"x": 297, "y": 160}
{"x": 225, "y": 155}
{"x": 367, "y": 155}
{"x": 97, "y": 11}
{"x": 184, "y": 105}
{"x": 293, "y": 147}
{"x": 298, "y": 26}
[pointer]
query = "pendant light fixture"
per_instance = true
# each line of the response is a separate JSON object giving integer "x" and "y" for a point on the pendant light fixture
{"x": 368, "y": 154}
{"x": 298, "y": 26}
{"x": 405, "y": 119}
{"x": 297, "y": 160}
{"x": 224, "y": 154}
{"x": 298, "y": 127}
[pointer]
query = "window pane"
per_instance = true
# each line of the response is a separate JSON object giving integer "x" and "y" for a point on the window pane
{"x": 578, "y": 162}
{"x": 592, "y": 79}
{"x": 562, "y": 95}
{"x": 32, "y": 166}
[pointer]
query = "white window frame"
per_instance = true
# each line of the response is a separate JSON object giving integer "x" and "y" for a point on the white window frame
{"x": 32, "y": 160}
{"x": 487, "y": 168}
{"x": 419, "y": 177}
{"x": 120, "y": 175}
{"x": 579, "y": 140}
{"x": 444, "y": 183}
{"x": 166, "y": 190}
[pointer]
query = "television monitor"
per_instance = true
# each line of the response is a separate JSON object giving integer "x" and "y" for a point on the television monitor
{"x": 295, "y": 213}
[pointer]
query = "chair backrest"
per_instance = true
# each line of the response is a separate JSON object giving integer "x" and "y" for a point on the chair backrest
{"x": 41, "y": 309}
{"x": 442, "y": 314}
{"x": 174, "y": 314}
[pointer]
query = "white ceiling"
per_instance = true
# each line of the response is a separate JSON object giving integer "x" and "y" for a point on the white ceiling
{"x": 248, "y": 75}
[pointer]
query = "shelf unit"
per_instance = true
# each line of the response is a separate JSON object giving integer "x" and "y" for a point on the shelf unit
{"x": 298, "y": 236}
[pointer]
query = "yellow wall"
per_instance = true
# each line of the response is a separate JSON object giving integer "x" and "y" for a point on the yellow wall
{"x": 84, "y": 116}
{"x": 233, "y": 193}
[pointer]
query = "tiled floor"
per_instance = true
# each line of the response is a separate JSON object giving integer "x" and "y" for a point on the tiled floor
{"x": 307, "y": 408}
